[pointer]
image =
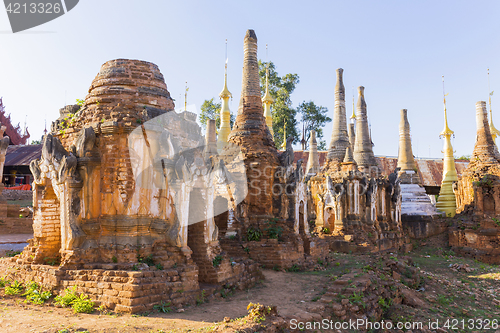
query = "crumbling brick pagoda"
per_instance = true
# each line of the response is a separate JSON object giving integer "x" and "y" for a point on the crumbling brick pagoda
{"x": 477, "y": 232}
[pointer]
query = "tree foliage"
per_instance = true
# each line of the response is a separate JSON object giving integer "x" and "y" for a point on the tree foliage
{"x": 280, "y": 88}
{"x": 211, "y": 110}
{"x": 314, "y": 117}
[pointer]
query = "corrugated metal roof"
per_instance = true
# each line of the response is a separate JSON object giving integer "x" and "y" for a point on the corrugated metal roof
{"x": 22, "y": 155}
{"x": 430, "y": 170}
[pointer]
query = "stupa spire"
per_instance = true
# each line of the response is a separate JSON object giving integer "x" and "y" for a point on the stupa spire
{"x": 313, "y": 159}
{"x": 283, "y": 145}
{"x": 339, "y": 140}
{"x": 250, "y": 131}
{"x": 447, "y": 201}
{"x": 353, "y": 115}
{"x": 225, "y": 113}
{"x": 210, "y": 141}
{"x": 405, "y": 156}
{"x": 268, "y": 100}
{"x": 363, "y": 152}
{"x": 485, "y": 149}
{"x": 493, "y": 130}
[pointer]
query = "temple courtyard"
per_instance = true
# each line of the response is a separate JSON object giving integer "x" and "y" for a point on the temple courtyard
{"x": 448, "y": 291}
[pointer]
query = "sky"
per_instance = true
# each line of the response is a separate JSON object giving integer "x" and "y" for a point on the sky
{"x": 397, "y": 50}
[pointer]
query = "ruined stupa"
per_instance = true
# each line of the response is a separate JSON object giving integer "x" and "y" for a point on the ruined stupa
{"x": 313, "y": 158}
{"x": 340, "y": 139}
{"x": 417, "y": 211}
{"x": 363, "y": 146}
{"x": 276, "y": 205}
{"x": 125, "y": 188}
{"x": 477, "y": 232}
{"x": 355, "y": 210}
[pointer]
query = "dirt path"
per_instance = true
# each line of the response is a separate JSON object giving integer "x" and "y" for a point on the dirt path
{"x": 291, "y": 292}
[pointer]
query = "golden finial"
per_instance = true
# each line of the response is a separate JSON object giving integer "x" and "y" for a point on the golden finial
{"x": 267, "y": 99}
{"x": 186, "y": 97}
{"x": 225, "y": 93}
{"x": 493, "y": 130}
{"x": 283, "y": 145}
{"x": 353, "y": 116}
{"x": 446, "y": 131}
{"x": 225, "y": 113}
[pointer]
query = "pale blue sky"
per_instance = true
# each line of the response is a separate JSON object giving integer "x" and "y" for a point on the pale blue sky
{"x": 398, "y": 50}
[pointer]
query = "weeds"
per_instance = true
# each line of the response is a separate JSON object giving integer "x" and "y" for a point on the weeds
{"x": 202, "y": 298}
{"x": 163, "y": 307}
{"x": 217, "y": 261}
{"x": 35, "y": 295}
{"x": 79, "y": 303}
{"x": 254, "y": 234}
{"x": 14, "y": 289}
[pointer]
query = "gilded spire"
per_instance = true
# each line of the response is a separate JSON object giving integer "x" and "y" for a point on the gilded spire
{"x": 225, "y": 113}
{"x": 283, "y": 145}
{"x": 353, "y": 116}
{"x": 186, "y": 96}
{"x": 446, "y": 200}
{"x": 446, "y": 131}
{"x": 493, "y": 130}
{"x": 268, "y": 100}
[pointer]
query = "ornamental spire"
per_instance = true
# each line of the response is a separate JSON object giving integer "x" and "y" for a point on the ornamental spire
{"x": 267, "y": 100}
{"x": 493, "y": 130}
{"x": 225, "y": 113}
{"x": 446, "y": 201}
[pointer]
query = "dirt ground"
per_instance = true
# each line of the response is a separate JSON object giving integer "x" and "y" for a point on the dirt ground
{"x": 290, "y": 292}
{"x": 470, "y": 292}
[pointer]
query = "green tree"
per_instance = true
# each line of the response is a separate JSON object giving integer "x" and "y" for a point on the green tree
{"x": 314, "y": 117}
{"x": 280, "y": 88}
{"x": 211, "y": 110}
